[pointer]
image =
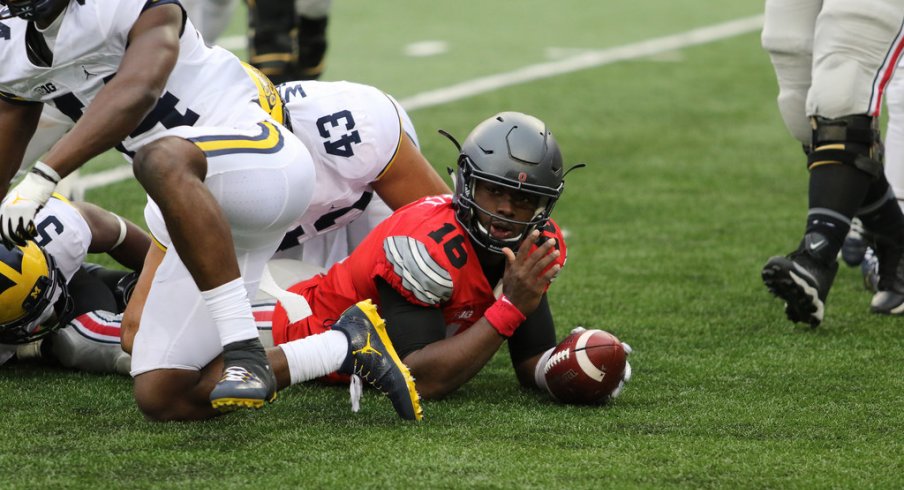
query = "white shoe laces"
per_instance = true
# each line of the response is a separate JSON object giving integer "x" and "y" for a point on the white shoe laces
{"x": 235, "y": 373}
{"x": 355, "y": 390}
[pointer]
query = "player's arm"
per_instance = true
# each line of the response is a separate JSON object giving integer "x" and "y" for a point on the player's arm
{"x": 443, "y": 366}
{"x": 129, "y": 96}
{"x": 131, "y": 317}
{"x": 439, "y": 364}
{"x": 116, "y": 236}
{"x": 18, "y": 122}
{"x": 409, "y": 177}
{"x": 535, "y": 336}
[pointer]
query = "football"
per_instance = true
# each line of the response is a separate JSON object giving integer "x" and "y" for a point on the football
{"x": 586, "y": 367}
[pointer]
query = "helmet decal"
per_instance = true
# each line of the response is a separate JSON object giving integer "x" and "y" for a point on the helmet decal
{"x": 511, "y": 150}
{"x": 31, "y": 290}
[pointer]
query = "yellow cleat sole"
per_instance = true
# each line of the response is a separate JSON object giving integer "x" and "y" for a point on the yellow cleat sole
{"x": 370, "y": 310}
{"x": 231, "y": 404}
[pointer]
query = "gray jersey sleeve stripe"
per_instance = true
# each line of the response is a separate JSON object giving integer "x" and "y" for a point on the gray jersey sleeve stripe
{"x": 399, "y": 257}
{"x": 425, "y": 263}
{"x": 420, "y": 274}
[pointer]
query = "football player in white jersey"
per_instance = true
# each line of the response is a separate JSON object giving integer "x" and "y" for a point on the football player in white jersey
{"x": 137, "y": 76}
{"x": 368, "y": 163}
{"x": 51, "y": 305}
{"x": 365, "y": 148}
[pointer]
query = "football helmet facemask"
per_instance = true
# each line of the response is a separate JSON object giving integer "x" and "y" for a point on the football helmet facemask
{"x": 32, "y": 289}
{"x": 31, "y": 9}
{"x": 511, "y": 150}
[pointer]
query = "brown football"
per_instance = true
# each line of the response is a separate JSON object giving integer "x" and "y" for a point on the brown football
{"x": 586, "y": 367}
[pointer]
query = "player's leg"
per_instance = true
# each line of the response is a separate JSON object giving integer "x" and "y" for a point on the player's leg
{"x": 176, "y": 340}
{"x": 849, "y": 53}
{"x": 91, "y": 343}
{"x": 787, "y": 36}
{"x": 857, "y": 48}
{"x": 312, "y": 20}
{"x": 232, "y": 200}
{"x": 356, "y": 344}
{"x": 894, "y": 164}
{"x": 894, "y": 137}
{"x": 271, "y": 38}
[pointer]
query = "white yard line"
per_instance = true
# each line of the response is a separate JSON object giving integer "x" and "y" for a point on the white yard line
{"x": 463, "y": 90}
{"x": 591, "y": 59}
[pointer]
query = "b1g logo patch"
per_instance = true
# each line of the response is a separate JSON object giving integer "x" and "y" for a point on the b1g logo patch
{"x": 47, "y": 88}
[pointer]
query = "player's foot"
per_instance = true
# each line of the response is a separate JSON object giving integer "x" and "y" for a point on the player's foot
{"x": 855, "y": 244}
{"x": 247, "y": 380}
{"x": 802, "y": 282}
{"x": 373, "y": 358}
{"x": 889, "y": 298}
{"x": 870, "y": 270}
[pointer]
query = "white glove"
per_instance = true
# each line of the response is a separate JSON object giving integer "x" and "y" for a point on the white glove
{"x": 22, "y": 203}
{"x": 577, "y": 329}
{"x": 626, "y": 376}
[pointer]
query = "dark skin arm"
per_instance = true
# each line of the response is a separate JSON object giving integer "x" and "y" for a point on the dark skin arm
{"x": 17, "y": 125}
{"x": 124, "y": 102}
{"x": 409, "y": 178}
{"x": 131, "y": 318}
{"x": 105, "y": 230}
{"x": 443, "y": 366}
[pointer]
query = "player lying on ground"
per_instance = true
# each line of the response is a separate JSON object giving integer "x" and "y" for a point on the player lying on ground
{"x": 136, "y": 75}
{"x": 52, "y": 305}
{"x": 454, "y": 276}
{"x": 431, "y": 268}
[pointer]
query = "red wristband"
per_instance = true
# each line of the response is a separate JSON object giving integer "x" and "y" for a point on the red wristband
{"x": 504, "y": 316}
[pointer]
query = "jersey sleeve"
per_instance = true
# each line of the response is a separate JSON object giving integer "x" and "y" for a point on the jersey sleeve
{"x": 353, "y": 130}
{"x": 64, "y": 233}
{"x": 412, "y": 270}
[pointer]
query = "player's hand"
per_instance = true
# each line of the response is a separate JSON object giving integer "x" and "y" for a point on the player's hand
{"x": 528, "y": 274}
{"x": 626, "y": 376}
{"x": 22, "y": 203}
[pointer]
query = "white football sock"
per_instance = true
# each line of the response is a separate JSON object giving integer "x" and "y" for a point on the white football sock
{"x": 229, "y": 306}
{"x": 315, "y": 356}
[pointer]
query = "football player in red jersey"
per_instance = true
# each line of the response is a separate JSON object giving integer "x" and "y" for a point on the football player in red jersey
{"x": 454, "y": 276}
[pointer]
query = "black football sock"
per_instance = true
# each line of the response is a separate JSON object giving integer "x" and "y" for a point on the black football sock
{"x": 836, "y": 193}
{"x": 881, "y": 215}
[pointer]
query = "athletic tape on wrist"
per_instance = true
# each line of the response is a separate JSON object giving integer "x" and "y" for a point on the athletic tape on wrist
{"x": 46, "y": 171}
{"x": 504, "y": 316}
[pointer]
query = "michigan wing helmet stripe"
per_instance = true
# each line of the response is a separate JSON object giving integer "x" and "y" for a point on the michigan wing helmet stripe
{"x": 421, "y": 275}
{"x": 269, "y": 140}
{"x": 267, "y": 95}
{"x": 31, "y": 288}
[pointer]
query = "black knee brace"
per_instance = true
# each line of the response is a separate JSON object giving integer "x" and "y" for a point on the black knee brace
{"x": 849, "y": 140}
{"x": 271, "y": 33}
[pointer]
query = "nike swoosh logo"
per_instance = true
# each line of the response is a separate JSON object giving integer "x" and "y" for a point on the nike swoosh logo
{"x": 815, "y": 245}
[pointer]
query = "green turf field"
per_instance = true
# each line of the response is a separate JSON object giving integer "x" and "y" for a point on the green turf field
{"x": 692, "y": 183}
